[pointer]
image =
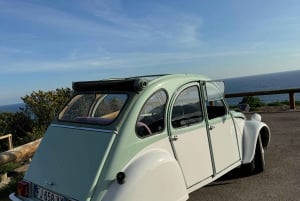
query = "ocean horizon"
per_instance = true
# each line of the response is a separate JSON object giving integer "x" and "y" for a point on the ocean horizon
{"x": 263, "y": 82}
{"x": 12, "y": 107}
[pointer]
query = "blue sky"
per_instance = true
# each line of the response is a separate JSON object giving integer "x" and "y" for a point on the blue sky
{"x": 46, "y": 45}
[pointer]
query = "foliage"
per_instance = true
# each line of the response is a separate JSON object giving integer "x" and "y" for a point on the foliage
{"x": 44, "y": 106}
{"x": 9, "y": 167}
{"x": 253, "y": 102}
{"x": 19, "y": 124}
{"x": 280, "y": 103}
{"x": 30, "y": 124}
{"x": 11, "y": 187}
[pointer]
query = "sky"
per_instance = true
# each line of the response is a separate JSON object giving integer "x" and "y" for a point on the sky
{"x": 46, "y": 44}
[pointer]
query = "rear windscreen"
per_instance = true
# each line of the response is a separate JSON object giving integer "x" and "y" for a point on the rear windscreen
{"x": 95, "y": 108}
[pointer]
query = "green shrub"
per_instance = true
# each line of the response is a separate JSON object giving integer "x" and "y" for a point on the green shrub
{"x": 11, "y": 187}
{"x": 253, "y": 102}
{"x": 9, "y": 167}
{"x": 277, "y": 103}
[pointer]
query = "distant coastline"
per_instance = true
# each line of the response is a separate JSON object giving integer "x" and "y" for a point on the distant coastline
{"x": 271, "y": 81}
{"x": 12, "y": 107}
{"x": 264, "y": 82}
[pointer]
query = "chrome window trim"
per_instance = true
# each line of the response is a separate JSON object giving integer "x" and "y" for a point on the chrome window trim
{"x": 84, "y": 128}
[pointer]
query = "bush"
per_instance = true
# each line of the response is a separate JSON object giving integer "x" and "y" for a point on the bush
{"x": 31, "y": 123}
{"x": 281, "y": 103}
{"x": 11, "y": 187}
{"x": 9, "y": 167}
{"x": 253, "y": 102}
{"x": 19, "y": 124}
{"x": 278, "y": 103}
{"x": 44, "y": 106}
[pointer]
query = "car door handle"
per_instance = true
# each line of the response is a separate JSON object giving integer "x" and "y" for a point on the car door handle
{"x": 211, "y": 127}
{"x": 174, "y": 138}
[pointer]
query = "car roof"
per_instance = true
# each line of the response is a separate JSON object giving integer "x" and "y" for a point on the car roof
{"x": 135, "y": 84}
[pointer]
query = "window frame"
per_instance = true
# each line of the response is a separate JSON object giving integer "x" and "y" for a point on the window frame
{"x": 92, "y": 107}
{"x": 164, "y": 114}
{"x": 179, "y": 92}
{"x": 216, "y": 116}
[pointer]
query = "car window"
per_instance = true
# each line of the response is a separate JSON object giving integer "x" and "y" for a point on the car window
{"x": 214, "y": 90}
{"x": 151, "y": 119}
{"x": 216, "y": 109}
{"x": 187, "y": 110}
{"x": 93, "y": 108}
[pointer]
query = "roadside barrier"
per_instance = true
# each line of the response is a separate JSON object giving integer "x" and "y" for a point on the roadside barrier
{"x": 9, "y": 140}
{"x": 291, "y": 93}
{"x": 20, "y": 153}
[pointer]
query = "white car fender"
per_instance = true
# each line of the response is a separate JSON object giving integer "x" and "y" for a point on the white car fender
{"x": 252, "y": 129}
{"x": 153, "y": 175}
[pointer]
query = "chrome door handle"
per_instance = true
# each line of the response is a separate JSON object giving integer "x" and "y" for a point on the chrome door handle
{"x": 211, "y": 127}
{"x": 175, "y": 137}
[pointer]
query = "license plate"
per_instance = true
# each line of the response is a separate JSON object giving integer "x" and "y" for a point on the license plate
{"x": 46, "y": 195}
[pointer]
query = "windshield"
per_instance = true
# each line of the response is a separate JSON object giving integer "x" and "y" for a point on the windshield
{"x": 96, "y": 108}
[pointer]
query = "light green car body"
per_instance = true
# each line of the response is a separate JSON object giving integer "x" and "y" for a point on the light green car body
{"x": 80, "y": 161}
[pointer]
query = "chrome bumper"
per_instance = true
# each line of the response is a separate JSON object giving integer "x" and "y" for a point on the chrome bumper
{"x": 13, "y": 197}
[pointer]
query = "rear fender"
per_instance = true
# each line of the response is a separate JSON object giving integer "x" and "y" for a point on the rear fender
{"x": 252, "y": 130}
{"x": 153, "y": 175}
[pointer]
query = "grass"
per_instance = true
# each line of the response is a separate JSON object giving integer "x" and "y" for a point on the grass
{"x": 281, "y": 103}
{"x": 278, "y": 104}
{"x": 9, "y": 167}
{"x": 11, "y": 187}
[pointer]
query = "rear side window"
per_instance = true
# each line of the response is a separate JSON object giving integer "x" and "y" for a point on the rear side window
{"x": 216, "y": 109}
{"x": 93, "y": 108}
{"x": 187, "y": 110}
{"x": 151, "y": 119}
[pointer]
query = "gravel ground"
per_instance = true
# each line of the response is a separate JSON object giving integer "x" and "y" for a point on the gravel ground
{"x": 281, "y": 179}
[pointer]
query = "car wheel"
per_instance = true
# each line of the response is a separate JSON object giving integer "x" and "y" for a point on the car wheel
{"x": 257, "y": 165}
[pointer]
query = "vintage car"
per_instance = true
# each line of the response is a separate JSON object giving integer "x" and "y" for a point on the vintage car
{"x": 156, "y": 137}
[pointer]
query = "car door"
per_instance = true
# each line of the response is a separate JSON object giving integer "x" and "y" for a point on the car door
{"x": 189, "y": 136}
{"x": 222, "y": 131}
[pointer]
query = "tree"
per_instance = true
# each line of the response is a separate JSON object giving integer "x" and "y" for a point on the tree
{"x": 30, "y": 124}
{"x": 44, "y": 106}
{"x": 19, "y": 124}
{"x": 252, "y": 101}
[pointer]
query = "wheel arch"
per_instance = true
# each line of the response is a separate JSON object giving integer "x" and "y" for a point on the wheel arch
{"x": 265, "y": 136}
{"x": 251, "y": 132}
{"x": 152, "y": 175}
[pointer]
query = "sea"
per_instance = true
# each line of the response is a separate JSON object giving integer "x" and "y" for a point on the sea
{"x": 265, "y": 82}
{"x": 274, "y": 81}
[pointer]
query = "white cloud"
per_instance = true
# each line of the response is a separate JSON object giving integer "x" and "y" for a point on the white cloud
{"x": 112, "y": 39}
{"x": 189, "y": 36}
{"x": 56, "y": 20}
{"x": 106, "y": 20}
{"x": 11, "y": 50}
{"x": 296, "y": 54}
{"x": 127, "y": 61}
